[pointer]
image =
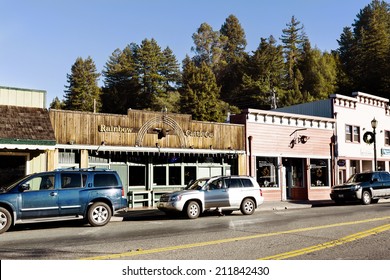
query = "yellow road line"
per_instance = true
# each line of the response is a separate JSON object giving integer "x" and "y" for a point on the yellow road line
{"x": 227, "y": 240}
{"x": 329, "y": 244}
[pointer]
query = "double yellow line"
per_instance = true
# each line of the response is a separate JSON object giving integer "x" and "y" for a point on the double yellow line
{"x": 329, "y": 244}
{"x": 243, "y": 238}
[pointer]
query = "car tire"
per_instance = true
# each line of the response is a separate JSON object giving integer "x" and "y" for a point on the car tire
{"x": 5, "y": 220}
{"x": 99, "y": 214}
{"x": 248, "y": 206}
{"x": 192, "y": 210}
{"x": 366, "y": 197}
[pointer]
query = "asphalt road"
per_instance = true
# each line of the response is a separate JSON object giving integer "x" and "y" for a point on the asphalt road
{"x": 330, "y": 232}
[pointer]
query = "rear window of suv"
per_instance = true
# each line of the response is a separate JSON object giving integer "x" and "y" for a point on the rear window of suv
{"x": 105, "y": 180}
{"x": 247, "y": 183}
{"x": 239, "y": 183}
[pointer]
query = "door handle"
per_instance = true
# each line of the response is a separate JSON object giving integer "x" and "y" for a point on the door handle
{"x": 53, "y": 194}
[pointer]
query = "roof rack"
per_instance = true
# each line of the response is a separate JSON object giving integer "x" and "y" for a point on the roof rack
{"x": 93, "y": 168}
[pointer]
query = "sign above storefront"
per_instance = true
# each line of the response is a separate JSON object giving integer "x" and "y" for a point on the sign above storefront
{"x": 115, "y": 128}
{"x": 385, "y": 152}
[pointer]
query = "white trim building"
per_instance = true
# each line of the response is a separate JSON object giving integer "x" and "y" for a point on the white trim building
{"x": 353, "y": 115}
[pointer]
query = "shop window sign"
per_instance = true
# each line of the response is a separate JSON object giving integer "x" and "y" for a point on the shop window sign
{"x": 319, "y": 172}
{"x": 267, "y": 172}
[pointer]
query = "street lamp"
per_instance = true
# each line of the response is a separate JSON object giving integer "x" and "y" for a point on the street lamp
{"x": 374, "y": 124}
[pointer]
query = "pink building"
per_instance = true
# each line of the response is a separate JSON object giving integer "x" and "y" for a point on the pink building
{"x": 290, "y": 155}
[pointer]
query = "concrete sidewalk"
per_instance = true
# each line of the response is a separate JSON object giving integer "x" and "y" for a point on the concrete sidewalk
{"x": 134, "y": 213}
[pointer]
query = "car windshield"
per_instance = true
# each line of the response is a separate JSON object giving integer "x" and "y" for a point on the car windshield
{"x": 197, "y": 184}
{"x": 360, "y": 177}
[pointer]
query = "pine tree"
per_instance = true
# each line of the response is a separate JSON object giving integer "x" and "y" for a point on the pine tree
{"x": 365, "y": 51}
{"x": 121, "y": 89}
{"x": 264, "y": 75}
{"x": 200, "y": 92}
{"x": 57, "y": 104}
{"x": 140, "y": 77}
{"x": 234, "y": 48}
{"x": 83, "y": 92}
{"x": 157, "y": 71}
{"x": 230, "y": 70}
{"x": 319, "y": 73}
{"x": 293, "y": 39}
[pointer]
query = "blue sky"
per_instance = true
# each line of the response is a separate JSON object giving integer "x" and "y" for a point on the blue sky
{"x": 41, "y": 39}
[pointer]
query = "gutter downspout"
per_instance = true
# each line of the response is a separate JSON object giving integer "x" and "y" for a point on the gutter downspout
{"x": 250, "y": 138}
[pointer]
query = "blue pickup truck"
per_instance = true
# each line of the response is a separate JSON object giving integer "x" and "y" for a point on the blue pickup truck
{"x": 62, "y": 194}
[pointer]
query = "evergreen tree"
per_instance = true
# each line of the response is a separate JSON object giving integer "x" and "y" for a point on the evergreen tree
{"x": 200, "y": 92}
{"x": 234, "y": 48}
{"x": 157, "y": 71}
{"x": 365, "y": 51}
{"x": 319, "y": 73}
{"x": 140, "y": 77}
{"x": 57, "y": 104}
{"x": 264, "y": 75}
{"x": 293, "y": 39}
{"x": 230, "y": 71}
{"x": 121, "y": 89}
{"x": 148, "y": 59}
{"x": 83, "y": 92}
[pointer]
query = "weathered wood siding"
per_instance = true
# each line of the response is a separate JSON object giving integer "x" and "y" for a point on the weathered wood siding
{"x": 141, "y": 128}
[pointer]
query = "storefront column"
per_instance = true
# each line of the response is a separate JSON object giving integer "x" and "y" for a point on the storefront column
{"x": 242, "y": 164}
{"x": 84, "y": 159}
{"x": 52, "y": 159}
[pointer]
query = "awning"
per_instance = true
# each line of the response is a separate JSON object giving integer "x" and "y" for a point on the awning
{"x": 27, "y": 144}
{"x": 150, "y": 150}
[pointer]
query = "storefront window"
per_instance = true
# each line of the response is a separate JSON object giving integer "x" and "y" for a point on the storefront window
{"x": 319, "y": 172}
{"x": 267, "y": 175}
{"x": 189, "y": 174}
{"x": 160, "y": 175}
{"x": 137, "y": 175}
{"x": 174, "y": 175}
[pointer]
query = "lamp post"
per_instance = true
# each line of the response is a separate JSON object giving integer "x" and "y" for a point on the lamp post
{"x": 374, "y": 124}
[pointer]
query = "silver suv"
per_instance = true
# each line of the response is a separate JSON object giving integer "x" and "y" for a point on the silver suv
{"x": 225, "y": 193}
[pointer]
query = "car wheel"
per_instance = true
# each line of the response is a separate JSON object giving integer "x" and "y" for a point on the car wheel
{"x": 193, "y": 210}
{"x": 5, "y": 220}
{"x": 248, "y": 206}
{"x": 99, "y": 214}
{"x": 366, "y": 197}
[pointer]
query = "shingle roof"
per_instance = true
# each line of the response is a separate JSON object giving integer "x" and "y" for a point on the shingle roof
{"x": 25, "y": 125}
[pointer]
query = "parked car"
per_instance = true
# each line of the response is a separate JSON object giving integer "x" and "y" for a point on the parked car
{"x": 226, "y": 193}
{"x": 367, "y": 187}
{"x": 62, "y": 194}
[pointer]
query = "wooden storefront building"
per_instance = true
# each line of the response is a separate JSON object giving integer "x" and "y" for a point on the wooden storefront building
{"x": 153, "y": 152}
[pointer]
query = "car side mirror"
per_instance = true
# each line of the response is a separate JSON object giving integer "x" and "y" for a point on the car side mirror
{"x": 374, "y": 180}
